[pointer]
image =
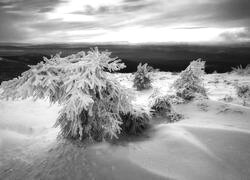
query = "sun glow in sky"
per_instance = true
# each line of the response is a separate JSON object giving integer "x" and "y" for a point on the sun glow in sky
{"x": 144, "y": 35}
{"x": 133, "y": 21}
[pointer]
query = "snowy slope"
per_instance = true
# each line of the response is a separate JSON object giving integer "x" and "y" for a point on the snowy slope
{"x": 211, "y": 142}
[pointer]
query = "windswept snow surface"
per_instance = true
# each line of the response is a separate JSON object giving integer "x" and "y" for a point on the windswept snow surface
{"x": 211, "y": 142}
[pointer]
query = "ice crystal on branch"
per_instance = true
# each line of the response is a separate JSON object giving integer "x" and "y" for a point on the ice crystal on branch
{"x": 92, "y": 102}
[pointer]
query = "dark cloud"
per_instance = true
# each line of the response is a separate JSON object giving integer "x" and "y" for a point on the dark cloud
{"x": 46, "y": 9}
{"x": 236, "y": 36}
{"x": 102, "y": 10}
{"x": 29, "y": 5}
{"x": 194, "y": 27}
{"x": 16, "y": 16}
{"x": 122, "y": 9}
{"x": 5, "y": 4}
{"x": 57, "y": 24}
{"x": 233, "y": 10}
{"x": 136, "y": 7}
{"x": 132, "y": 1}
{"x": 212, "y": 13}
{"x": 9, "y": 29}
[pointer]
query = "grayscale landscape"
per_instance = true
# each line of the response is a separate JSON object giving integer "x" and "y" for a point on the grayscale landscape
{"x": 124, "y": 89}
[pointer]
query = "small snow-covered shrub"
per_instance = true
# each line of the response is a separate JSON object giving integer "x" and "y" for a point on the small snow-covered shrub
{"x": 227, "y": 98}
{"x": 162, "y": 107}
{"x": 92, "y": 102}
{"x": 189, "y": 84}
{"x": 241, "y": 71}
{"x": 243, "y": 91}
{"x": 173, "y": 99}
{"x": 142, "y": 78}
{"x": 135, "y": 122}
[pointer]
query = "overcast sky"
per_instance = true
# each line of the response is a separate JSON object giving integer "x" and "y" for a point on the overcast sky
{"x": 134, "y": 21}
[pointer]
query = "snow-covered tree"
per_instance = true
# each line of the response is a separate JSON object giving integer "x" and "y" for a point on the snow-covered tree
{"x": 142, "y": 78}
{"x": 189, "y": 85}
{"x": 93, "y": 103}
{"x": 241, "y": 71}
{"x": 243, "y": 91}
{"x": 136, "y": 121}
{"x": 161, "y": 106}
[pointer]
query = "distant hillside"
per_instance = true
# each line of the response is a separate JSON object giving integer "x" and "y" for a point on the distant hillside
{"x": 16, "y": 57}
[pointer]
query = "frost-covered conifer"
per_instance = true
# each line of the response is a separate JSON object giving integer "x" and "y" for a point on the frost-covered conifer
{"x": 142, "y": 78}
{"x": 242, "y": 71}
{"x": 93, "y": 104}
{"x": 189, "y": 84}
{"x": 136, "y": 121}
{"x": 243, "y": 91}
{"x": 161, "y": 106}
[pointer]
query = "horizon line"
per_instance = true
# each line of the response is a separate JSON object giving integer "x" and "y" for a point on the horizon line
{"x": 127, "y": 43}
